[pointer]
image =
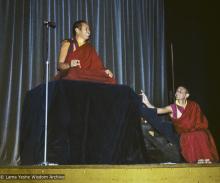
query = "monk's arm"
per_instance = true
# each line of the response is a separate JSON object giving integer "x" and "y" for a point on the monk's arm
{"x": 63, "y": 53}
{"x": 160, "y": 110}
{"x": 164, "y": 110}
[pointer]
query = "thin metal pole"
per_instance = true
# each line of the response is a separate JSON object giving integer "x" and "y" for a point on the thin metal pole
{"x": 172, "y": 65}
{"x": 46, "y": 112}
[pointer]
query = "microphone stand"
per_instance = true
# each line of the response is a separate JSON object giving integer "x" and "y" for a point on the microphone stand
{"x": 45, "y": 33}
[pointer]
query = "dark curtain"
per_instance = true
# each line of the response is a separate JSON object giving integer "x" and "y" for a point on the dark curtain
{"x": 128, "y": 35}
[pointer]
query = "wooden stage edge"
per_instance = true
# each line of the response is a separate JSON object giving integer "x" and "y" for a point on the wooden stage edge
{"x": 147, "y": 173}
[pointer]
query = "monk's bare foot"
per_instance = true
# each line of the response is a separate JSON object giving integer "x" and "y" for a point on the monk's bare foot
{"x": 207, "y": 161}
{"x": 201, "y": 161}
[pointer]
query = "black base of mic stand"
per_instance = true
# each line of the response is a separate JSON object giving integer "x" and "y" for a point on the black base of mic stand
{"x": 47, "y": 164}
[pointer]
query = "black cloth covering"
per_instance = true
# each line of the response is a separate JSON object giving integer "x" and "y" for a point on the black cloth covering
{"x": 163, "y": 145}
{"x": 88, "y": 123}
{"x": 164, "y": 127}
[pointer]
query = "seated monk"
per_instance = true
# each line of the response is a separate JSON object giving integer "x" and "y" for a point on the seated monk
{"x": 79, "y": 60}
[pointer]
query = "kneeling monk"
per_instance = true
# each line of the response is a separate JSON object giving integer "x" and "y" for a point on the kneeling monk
{"x": 79, "y": 60}
{"x": 196, "y": 142}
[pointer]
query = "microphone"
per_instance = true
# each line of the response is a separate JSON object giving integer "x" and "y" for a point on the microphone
{"x": 49, "y": 24}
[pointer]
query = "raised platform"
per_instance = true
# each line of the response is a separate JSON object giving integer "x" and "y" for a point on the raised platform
{"x": 153, "y": 173}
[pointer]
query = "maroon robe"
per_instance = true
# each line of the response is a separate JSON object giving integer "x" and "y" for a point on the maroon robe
{"x": 91, "y": 69}
{"x": 196, "y": 141}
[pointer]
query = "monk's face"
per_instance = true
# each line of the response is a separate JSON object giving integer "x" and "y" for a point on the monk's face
{"x": 181, "y": 93}
{"x": 83, "y": 32}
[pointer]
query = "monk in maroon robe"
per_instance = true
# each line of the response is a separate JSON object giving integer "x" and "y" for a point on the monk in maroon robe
{"x": 78, "y": 60}
{"x": 196, "y": 142}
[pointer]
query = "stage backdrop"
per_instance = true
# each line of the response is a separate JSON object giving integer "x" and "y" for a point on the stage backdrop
{"x": 128, "y": 35}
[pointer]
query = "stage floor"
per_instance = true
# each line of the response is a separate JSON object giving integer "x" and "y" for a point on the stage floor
{"x": 150, "y": 173}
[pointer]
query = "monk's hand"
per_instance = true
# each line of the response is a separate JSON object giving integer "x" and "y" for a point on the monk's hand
{"x": 75, "y": 63}
{"x": 144, "y": 98}
{"x": 109, "y": 73}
